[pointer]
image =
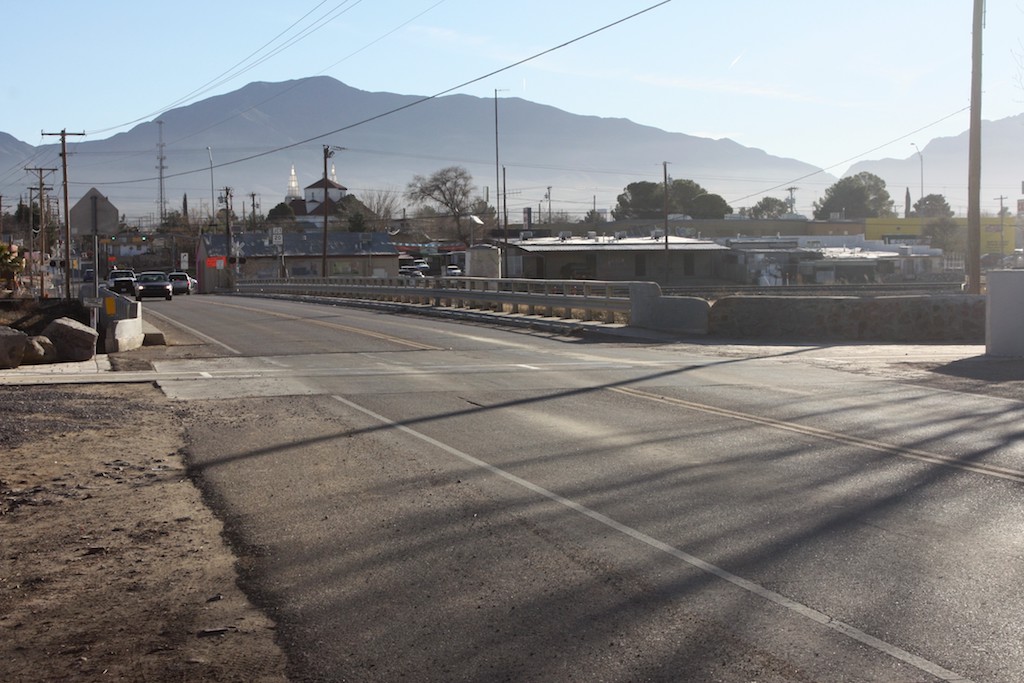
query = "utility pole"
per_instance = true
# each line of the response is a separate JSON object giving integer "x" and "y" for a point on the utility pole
{"x": 504, "y": 269}
{"x": 160, "y": 167}
{"x": 67, "y": 212}
{"x": 548, "y": 197}
{"x": 974, "y": 156}
{"x": 1002, "y": 223}
{"x": 328, "y": 153}
{"x": 252, "y": 198}
{"x": 42, "y": 222}
{"x": 226, "y": 199}
{"x": 792, "y": 198}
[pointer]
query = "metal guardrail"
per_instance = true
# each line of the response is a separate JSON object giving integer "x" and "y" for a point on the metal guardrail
{"x": 590, "y": 300}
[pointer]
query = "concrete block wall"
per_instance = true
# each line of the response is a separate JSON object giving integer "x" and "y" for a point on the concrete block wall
{"x": 953, "y": 318}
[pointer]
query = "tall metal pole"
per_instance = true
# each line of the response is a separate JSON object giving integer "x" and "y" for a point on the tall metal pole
{"x": 974, "y": 157}
{"x": 921, "y": 157}
{"x": 497, "y": 178}
{"x": 213, "y": 196}
{"x": 161, "y": 167}
{"x": 664, "y": 172}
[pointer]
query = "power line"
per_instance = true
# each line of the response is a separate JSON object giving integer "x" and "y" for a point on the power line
{"x": 416, "y": 102}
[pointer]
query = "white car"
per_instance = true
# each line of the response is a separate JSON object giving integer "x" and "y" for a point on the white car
{"x": 182, "y": 283}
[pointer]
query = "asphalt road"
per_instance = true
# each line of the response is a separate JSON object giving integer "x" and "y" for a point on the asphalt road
{"x": 419, "y": 499}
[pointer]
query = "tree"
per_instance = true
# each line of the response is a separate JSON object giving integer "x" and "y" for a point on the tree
{"x": 594, "y": 217}
{"x": 282, "y": 213}
{"x": 944, "y": 233}
{"x": 858, "y": 196}
{"x": 449, "y": 189}
{"x": 769, "y": 208}
{"x": 383, "y": 204}
{"x": 642, "y": 199}
{"x": 933, "y": 206}
{"x": 357, "y": 222}
{"x": 708, "y": 206}
{"x": 645, "y": 199}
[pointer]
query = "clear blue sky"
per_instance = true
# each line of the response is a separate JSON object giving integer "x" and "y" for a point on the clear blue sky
{"x": 827, "y": 83}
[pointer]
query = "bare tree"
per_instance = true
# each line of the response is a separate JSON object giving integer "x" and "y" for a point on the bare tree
{"x": 383, "y": 205}
{"x": 450, "y": 190}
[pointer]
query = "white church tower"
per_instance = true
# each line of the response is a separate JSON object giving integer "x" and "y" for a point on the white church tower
{"x": 293, "y": 187}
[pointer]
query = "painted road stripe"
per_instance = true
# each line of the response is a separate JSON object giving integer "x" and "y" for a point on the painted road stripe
{"x": 714, "y": 570}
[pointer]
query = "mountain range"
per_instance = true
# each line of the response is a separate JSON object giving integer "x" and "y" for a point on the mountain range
{"x": 257, "y": 134}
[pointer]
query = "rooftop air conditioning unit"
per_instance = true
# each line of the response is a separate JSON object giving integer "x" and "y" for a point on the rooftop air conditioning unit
{"x": 526, "y": 234}
{"x": 620, "y": 235}
{"x": 564, "y": 235}
{"x": 591, "y": 234}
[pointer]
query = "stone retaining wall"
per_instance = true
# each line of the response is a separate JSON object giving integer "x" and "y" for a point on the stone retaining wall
{"x": 953, "y": 318}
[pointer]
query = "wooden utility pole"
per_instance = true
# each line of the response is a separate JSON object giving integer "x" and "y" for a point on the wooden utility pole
{"x": 227, "y": 234}
{"x": 974, "y": 158}
{"x": 42, "y": 223}
{"x": 67, "y": 212}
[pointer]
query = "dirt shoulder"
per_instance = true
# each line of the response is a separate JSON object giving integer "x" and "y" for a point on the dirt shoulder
{"x": 111, "y": 566}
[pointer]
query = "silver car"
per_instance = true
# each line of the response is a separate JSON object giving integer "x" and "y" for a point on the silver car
{"x": 182, "y": 283}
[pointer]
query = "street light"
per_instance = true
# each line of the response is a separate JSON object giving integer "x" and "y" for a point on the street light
{"x": 921, "y": 158}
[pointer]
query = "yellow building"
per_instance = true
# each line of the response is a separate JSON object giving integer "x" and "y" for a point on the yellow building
{"x": 998, "y": 236}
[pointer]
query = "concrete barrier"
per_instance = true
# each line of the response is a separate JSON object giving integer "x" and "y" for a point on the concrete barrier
{"x": 1004, "y": 319}
{"x": 652, "y": 311}
{"x": 950, "y": 318}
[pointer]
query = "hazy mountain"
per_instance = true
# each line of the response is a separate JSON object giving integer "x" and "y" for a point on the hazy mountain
{"x": 944, "y": 165}
{"x": 258, "y": 132}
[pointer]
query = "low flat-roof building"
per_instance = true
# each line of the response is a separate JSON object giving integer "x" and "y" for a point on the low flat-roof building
{"x": 300, "y": 254}
{"x": 671, "y": 261}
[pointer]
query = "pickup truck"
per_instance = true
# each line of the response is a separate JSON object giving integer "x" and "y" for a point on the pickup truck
{"x": 121, "y": 281}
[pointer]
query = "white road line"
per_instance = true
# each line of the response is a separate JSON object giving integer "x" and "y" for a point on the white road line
{"x": 749, "y": 586}
{"x": 197, "y": 333}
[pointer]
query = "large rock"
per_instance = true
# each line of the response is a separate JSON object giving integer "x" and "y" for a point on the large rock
{"x": 12, "y": 347}
{"x": 73, "y": 340}
{"x": 39, "y": 350}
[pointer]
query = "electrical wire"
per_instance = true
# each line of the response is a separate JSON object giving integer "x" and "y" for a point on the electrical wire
{"x": 409, "y": 105}
{"x": 234, "y": 72}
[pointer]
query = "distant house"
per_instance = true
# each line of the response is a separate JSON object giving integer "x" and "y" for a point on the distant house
{"x": 300, "y": 254}
{"x": 671, "y": 261}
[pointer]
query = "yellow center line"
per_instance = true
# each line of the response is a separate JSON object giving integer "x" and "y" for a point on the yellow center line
{"x": 335, "y": 326}
{"x": 878, "y": 446}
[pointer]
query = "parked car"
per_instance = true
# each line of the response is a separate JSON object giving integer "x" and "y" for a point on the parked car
{"x": 453, "y": 271}
{"x": 153, "y": 283}
{"x": 182, "y": 283}
{"x": 122, "y": 281}
{"x": 410, "y": 271}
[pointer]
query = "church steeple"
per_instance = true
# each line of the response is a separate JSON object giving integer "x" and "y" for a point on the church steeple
{"x": 293, "y": 187}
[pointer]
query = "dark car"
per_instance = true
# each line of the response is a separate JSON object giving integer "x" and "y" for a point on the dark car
{"x": 153, "y": 283}
{"x": 182, "y": 283}
{"x": 122, "y": 281}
